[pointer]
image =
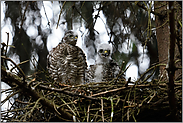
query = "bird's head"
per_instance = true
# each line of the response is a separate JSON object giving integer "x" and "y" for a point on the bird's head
{"x": 104, "y": 52}
{"x": 70, "y": 37}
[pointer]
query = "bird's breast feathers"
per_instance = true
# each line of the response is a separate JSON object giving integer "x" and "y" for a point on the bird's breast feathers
{"x": 98, "y": 73}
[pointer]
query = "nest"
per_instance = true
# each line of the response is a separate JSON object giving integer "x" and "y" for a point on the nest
{"x": 115, "y": 100}
{"x": 32, "y": 99}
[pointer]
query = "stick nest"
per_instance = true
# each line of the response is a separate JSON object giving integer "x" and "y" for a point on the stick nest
{"x": 115, "y": 100}
{"x": 29, "y": 98}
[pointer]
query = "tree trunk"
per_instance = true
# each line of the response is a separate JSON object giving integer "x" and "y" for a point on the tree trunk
{"x": 162, "y": 34}
{"x": 168, "y": 51}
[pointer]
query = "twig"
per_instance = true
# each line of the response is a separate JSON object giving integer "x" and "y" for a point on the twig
{"x": 73, "y": 103}
{"x": 88, "y": 114}
{"x": 149, "y": 70}
{"x": 159, "y": 101}
{"x": 96, "y": 16}
{"x": 2, "y": 50}
{"x": 67, "y": 92}
{"x": 128, "y": 111}
{"x": 145, "y": 99}
{"x": 7, "y": 43}
{"x": 152, "y": 97}
{"x": 84, "y": 19}
{"x": 110, "y": 91}
{"x": 68, "y": 107}
{"x": 102, "y": 110}
{"x": 56, "y": 108}
{"x": 2, "y": 53}
{"x": 18, "y": 65}
{"x": 46, "y": 15}
{"x": 8, "y": 90}
{"x": 21, "y": 71}
{"x": 60, "y": 13}
{"x": 143, "y": 7}
{"x": 95, "y": 117}
{"x": 24, "y": 16}
{"x": 2, "y": 102}
{"x": 21, "y": 101}
{"x": 31, "y": 111}
{"x": 148, "y": 76}
{"x": 133, "y": 116}
{"x": 120, "y": 71}
{"x": 162, "y": 74}
{"x": 112, "y": 109}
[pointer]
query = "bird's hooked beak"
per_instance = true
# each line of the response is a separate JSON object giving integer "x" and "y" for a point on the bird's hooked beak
{"x": 75, "y": 38}
{"x": 106, "y": 53}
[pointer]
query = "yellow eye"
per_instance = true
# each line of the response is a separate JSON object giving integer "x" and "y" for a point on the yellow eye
{"x": 105, "y": 51}
{"x": 76, "y": 37}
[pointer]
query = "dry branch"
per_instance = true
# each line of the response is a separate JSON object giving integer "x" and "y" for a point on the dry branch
{"x": 67, "y": 92}
{"x": 34, "y": 94}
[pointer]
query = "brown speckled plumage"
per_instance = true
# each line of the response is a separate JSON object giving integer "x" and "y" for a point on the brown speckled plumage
{"x": 67, "y": 62}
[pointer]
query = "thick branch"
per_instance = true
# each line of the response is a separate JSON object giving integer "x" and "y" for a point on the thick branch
{"x": 8, "y": 77}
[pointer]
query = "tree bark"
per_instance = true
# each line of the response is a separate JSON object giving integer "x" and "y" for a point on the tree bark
{"x": 167, "y": 49}
{"x": 162, "y": 34}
